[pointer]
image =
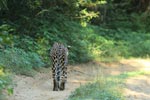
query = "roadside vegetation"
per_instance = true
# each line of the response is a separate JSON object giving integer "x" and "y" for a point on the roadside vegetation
{"x": 105, "y": 88}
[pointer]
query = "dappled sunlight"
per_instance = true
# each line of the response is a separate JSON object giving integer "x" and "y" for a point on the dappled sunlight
{"x": 79, "y": 81}
{"x": 1, "y": 72}
{"x": 136, "y": 73}
{"x": 138, "y": 88}
{"x": 138, "y": 66}
{"x": 139, "y": 62}
{"x": 133, "y": 63}
{"x": 115, "y": 72}
{"x": 147, "y": 69}
{"x": 145, "y": 64}
{"x": 133, "y": 95}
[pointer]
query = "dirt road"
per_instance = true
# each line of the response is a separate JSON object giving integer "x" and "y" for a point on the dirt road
{"x": 40, "y": 86}
{"x": 138, "y": 87}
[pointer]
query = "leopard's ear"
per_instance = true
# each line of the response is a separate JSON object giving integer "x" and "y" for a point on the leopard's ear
{"x": 68, "y": 47}
{"x": 55, "y": 43}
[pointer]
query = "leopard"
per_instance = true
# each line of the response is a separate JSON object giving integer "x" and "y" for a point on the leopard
{"x": 59, "y": 58}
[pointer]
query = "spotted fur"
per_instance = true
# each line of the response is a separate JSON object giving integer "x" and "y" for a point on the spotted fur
{"x": 59, "y": 57}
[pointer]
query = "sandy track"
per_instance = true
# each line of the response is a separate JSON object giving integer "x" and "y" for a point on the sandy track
{"x": 138, "y": 87}
{"x": 40, "y": 86}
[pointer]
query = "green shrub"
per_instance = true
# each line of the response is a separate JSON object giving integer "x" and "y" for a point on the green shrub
{"x": 125, "y": 43}
{"x": 6, "y": 38}
{"x": 19, "y": 61}
{"x": 5, "y": 84}
{"x": 142, "y": 49}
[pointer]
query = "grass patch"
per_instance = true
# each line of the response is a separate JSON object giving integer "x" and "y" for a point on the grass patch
{"x": 102, "y": 89}
{"x": 126, "y": 75}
